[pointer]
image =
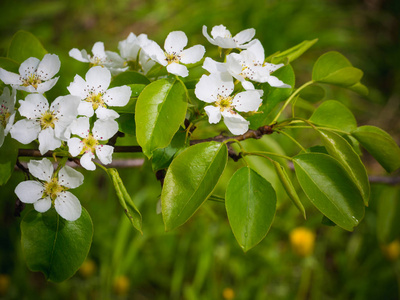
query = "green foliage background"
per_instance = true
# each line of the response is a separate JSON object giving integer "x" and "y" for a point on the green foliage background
{"x": 200, "y": 259}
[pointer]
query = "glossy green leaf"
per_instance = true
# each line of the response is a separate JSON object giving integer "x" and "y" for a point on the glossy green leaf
{"x": 125, "y": 200}
{"x": 160, "y": 110}
{"x": 24, "y": 45}
{"x": 289, "y": 188}
{"x": 8, "y": 158}
{"x": 128, "y": 78}
{"x": 340, "y": 149}
{"x": 250, "y": 203}
{"x": 126, "y": 123}
{"x": 190, "y": 180}
{"x": 332, "y": 67}
{"x": 292, "y": 53}
{"x": 54, "y": 246}
{"x": 313, "y": 93}
{"x": 334, "y": 114}
{"x": 329, "y": 188}
{"x": 380, "y": 145}
{"x": 359, "y": 88}
{"x": 388, "y": 216}
{"x": 272, "y": 96}
{"x": 9, "y": 64}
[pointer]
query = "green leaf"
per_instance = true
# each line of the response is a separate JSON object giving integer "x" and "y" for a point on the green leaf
{"x": 24, "y": 45}
{"x": 340, "y": 149}
{"x": 289, "y": 188}
{"x": 332, "y": 67}
{"x": 272, "y": 96}
{"x": 190, "y": 180}
{"x": 54, "y": 246}
{"x": 126, "y": 123}
{"x": 359, "y": 88}
{"x": 334, "y": 114}
{"x": 160, "y": 110}
{"x": 380, "y": 145}
{"x": 313, "y": 93}
{"x": 329, "y": 188}
{"x": 8, "y": 157}
{"x": 125, "y": 200}
{"x": 130, "y": 107}
{"x": 129, "y": 78}
{"x": 250, "y": 202}
{"x": 388, "y": 216}
{"x": 9, "y": 64}
{"x": 291, "y": 54}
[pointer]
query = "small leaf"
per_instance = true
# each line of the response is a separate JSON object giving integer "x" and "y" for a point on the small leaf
{"x": 24, "y": 45}
{"x": 54, "y": 246}
{"x": 250, "y": 202}
{"x": 359, "y": 88}
{"x": 8, "y": 157}
{"x": 380, "y": 145}
{"x": 190, "y": 180}
{"x": 313, "y": 93}
{"x": 128, "y": 78}
{"x": 125, "y": 200}
{"x": 334, "y": 114}
{"x": 160, "y": 110}
{"x": 329, "y": 188}
{"x": 388, "y": 217}
{"x": 289, "y": 188}
{"x": 291, "y": 54}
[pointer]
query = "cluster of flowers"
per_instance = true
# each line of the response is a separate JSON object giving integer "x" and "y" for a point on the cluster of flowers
{"x": 84, "y": 120}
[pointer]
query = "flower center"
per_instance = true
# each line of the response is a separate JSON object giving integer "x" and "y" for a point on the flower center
{"x": 89, "y": 144}
{"x": 4, "y": 115}
{"x": 47, "y": 120}
{"x": 52, "y": 188}
{"x": 224, "y": 103}
{"x": 33, "y": 80}
{"x": 96, "y": 100}
{"x": 96, "y": 61}
{"x": 172, "y": 57}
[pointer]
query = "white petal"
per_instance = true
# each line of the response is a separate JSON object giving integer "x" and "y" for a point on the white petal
{"x": 117, "y": 96}
{"x": 42, "y": 205}
{"x": 192, "y": 54}
{"x": 79, "y": 55}
{"x": 272, "y": 67}
{"x": 25, "y": 131}
{"x": 177, "y": 69}
{"x": 69, "y": 177}
{"x": 80, "y": 127}
{"x": 247, "y": 85}
{"x": 85, "y": 109}
{"x": 154, "y": 51}
{"x": 86, "y": 161}
{"x": 247, "y": 101}
{"x": 41, "y": 169}
{"x": 104, "y": 129}
{"x": 234, "y": 65}
{"x": 10, "y": 78}
{"x": 105, "y": 113}
{"x": 66, "y": 110}
{"x": 207, "y": 36}
{"x": 257, "y": 50}
{"x": 48, "y": 140}
{"x": 98, "y": 78}
{"x": 46, "y": 86}
{"x": 104, "y": 153}
{"x": 244, "y": 36}
{"x": 213, "y": 113}
{"x": 28, "y": 67}
{"x": 98, "y": 50}
{"x": 214, "y": 67}
{"x": 48, "y": 67}
{"x": 78, "y": 87}
{"x": 226, "y": 43}
{"x": 175, "y": 42}
{"x": 220, "y": 31}
{"x": 235, "y": 123}
{"x": 29, "y": 191}
{"x": 209, "y": 87}
{"x": 75, "y": 146}
{"x": 114, "y": 60}
{"x": 275, "y": 82}
{"x": 33, "y": 106}
{"x": 68, "y": 206}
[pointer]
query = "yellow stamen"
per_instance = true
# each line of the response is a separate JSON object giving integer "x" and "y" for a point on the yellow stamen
{"x": 89, "y": 144}
{"x": 47, "y": 120}
{"x": 33, "y": 80}
{"x": 96, "y": 100}
{"x": 52, "y": 188}
{"x": 224, "y": 103}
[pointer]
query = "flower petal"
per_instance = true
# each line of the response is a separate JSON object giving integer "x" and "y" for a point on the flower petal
{"x": 104, "y": 129}
{"x": 46, "y": 86}
{"x": 275, "y": 82}
{"x": 69, "y": 177}
{"x": 10, "y": 78}
{"x": 98, "y": 79}
{"x": 272, "y": 67}
{"x": 29, "y": 191}
{"x": 85, "y": 109}
{"x": 104, "y": 153}
{"x": 28, "y": 67}
{"x": 80, "y": 127}
{"x": 247, "y": 101}
{"x": 178, "y": 69}
{"x": 154, "y": 51}
{"x": 244, "y": 36}
{"x": 235, "y": 123}
{"x": 105, "y": 113}
{"x": 48, "y": 140}
{"x": 209, "y": 87}
{"x": 79, "y": 55}
{"x": 42, "y": 205}
{"x": 41, "y": 169}
{"x": 117, "y": 96}
{"x": 33, "y": 106}
{"x": 78, "y": 87}
{"x": 213, "y": 66}
{"x": 48, "y": 67}
{"x": 213, "y": 113}
{"x": 86, "y": 161}
{"x": 25, "y": 131}
{"x": 175, "y": 42}
{"x": 98, "y": 50}
{"x": 75, "y": 146}
{"x": 192, "y": 54}
{"x": 257, "y": 51}
{"x": 68, "y": 206}
{"x": 220, "y": 31}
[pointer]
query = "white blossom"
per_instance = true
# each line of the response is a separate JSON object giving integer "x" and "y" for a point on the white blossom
{"x": 34, "y": 76}
{"x": 174, "y": 56}
{"x": 222, "y": 37}
{"x": 7, "y": 112}
{"x": 47, "y": 124}
{"x": 86, "y": 142}
{"x": 95, "y": 95}
{"x": 51, "y": 189}
{"x": 217, "y": 88}
{"x": 108, "y": 59}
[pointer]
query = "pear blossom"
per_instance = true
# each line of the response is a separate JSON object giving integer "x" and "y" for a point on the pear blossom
{"x": 217, "y": 88}
{"x": 51, "y": 189}
{"x": 7, "y": 112}
{"x": 47, "y": 124}
{"x": 95, "y": 95}
{"x": 108, "y": 59}
{"x": 34, "y": 76}
{"x": 174, "y": 54}
{"x": 222, "y": 37}
{"x": 86, "y": 142}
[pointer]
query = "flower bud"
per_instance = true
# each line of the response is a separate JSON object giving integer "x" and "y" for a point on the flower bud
{"x": 302, "y": 241}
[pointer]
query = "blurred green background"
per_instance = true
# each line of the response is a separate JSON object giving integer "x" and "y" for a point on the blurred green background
{"x": 201, "y": 260}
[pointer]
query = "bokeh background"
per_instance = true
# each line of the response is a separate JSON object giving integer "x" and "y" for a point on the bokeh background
{"x": 201, "y": 260}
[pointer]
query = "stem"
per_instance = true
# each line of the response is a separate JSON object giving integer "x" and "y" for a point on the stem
{"x": 101, "y": 166}
{"x": 290, "y": 99}
{"x": 293, "y": 140}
